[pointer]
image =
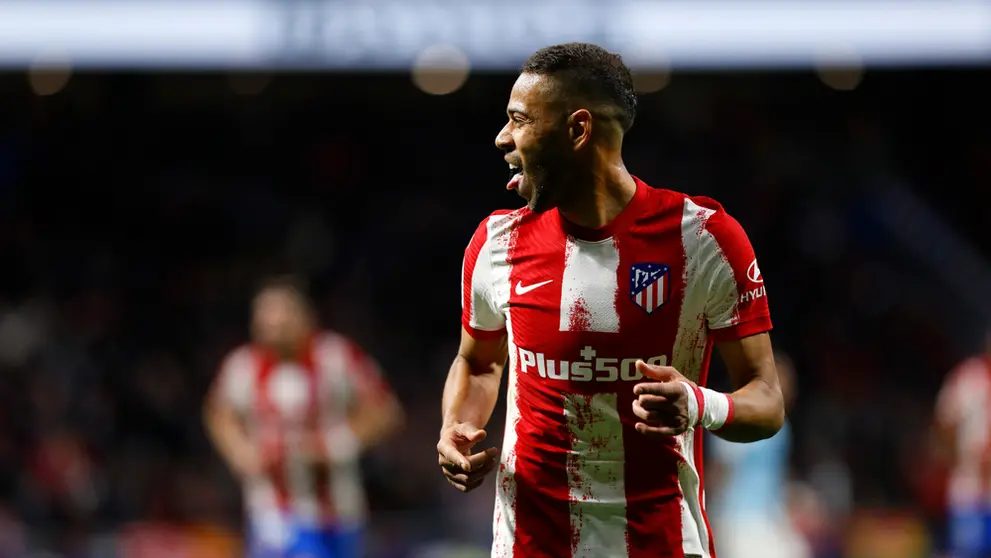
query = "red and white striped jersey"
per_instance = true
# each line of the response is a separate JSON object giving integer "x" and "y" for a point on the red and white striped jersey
{"x": 663, "y": 281}
{"x": 289, "y": 403}
{"x": 964, "y": 406}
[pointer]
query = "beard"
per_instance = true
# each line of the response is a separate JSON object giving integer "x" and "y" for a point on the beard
{"x": 542, "y": 191}
{"x": 547, "y": 178}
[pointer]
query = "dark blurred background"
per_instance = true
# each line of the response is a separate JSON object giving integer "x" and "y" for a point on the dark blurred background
{"x": 138, "y": 211}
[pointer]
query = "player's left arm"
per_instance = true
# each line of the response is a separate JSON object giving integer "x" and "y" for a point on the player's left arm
{"x": 739, "y": 320}
{"x": 757, "y": 405}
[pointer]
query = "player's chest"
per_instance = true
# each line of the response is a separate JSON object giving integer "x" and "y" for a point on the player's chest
{"x": 292, "y": 394}
{"x": 627, "y": 285}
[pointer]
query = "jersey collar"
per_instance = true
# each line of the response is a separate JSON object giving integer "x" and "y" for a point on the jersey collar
{"x": 621, "y": 222}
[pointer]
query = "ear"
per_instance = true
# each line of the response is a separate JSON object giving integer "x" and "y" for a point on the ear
{"x": 580, "y": 128}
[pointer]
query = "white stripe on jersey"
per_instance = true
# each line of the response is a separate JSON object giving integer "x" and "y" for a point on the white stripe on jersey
{"x": 589, "y": 287}
{"x": 596, "y": 470}
{"x": 700, "y": 248}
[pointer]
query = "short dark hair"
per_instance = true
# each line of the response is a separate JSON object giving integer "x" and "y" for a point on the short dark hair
{"x": 294, "y": 285}
{"x": 589, "y": 71}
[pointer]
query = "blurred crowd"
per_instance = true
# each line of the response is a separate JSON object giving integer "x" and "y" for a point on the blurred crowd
{"x": 137, "y": 213}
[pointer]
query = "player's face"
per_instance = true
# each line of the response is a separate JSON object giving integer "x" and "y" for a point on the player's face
{"x": 536, "y": 142}
{"x": 279, "y": 320}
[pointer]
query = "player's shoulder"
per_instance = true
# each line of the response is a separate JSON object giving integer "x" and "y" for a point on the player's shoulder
{"x": 497, "y": 224}
{"x": 701, "y": 211}
{"x": 241, "y": 352}
{"x": 240, "y": 359}
{"x": 338, "y": 343}
{"x": 972, "y": 370}
{"x": 504, "y": 218}
{"x": 331, "y": 340}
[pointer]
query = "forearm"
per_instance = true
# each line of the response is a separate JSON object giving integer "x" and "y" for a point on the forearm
{"x": 758, "y": 412}
{"x": 470, "y": 394}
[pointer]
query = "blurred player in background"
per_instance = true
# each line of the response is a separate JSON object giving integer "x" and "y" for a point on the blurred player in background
{"x": 606, "y": 296}
{"x": 751, "y": 512}
{"x": 963, "y": 439}
{"x": 291, "y": 413}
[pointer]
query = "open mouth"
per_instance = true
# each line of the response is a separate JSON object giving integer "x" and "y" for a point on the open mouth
{"x": 515, "y": 176}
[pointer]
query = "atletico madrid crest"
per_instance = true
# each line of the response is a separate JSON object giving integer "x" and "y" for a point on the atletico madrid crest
{"x": 650, "y": 285}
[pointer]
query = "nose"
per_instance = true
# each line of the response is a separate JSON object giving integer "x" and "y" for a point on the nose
{"x": 504, "y": 139}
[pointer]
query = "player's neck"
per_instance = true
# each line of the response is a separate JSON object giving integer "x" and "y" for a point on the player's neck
{"x": 603, "y": 198}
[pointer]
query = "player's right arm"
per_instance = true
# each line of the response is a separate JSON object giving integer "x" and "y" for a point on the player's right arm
{"x": 470, "y": 395}
{"x": 222, "y": 415}
{"x": 472, "y": 386}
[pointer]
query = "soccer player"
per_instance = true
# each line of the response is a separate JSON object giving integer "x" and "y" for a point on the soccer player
{"x": 290, "y": 413}
{"x": 752, "y": 509}
{"x": 963, "y": 433}
{"x": 606, "y": 295}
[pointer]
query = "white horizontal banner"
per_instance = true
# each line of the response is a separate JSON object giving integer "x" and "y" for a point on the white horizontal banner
{"x": 492, "y": 34}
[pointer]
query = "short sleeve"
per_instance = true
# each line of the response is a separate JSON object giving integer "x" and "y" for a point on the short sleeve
{"x": 480, "y": 314}
{"x": 736, "y": 305}
{"x": 235, "y": 380}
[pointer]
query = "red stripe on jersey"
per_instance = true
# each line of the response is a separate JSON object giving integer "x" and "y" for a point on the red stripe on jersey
{"x": 272, "y": 441}
{"x": 653, "y": 500}
{"x": 543, "y": 512}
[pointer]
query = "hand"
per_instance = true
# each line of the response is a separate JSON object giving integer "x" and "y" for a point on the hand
{"x": 662, "y": 405}
{"x": 461, "y": 468}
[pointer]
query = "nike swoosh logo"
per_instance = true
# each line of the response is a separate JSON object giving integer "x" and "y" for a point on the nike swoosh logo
{"x": 521, "y": 290}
